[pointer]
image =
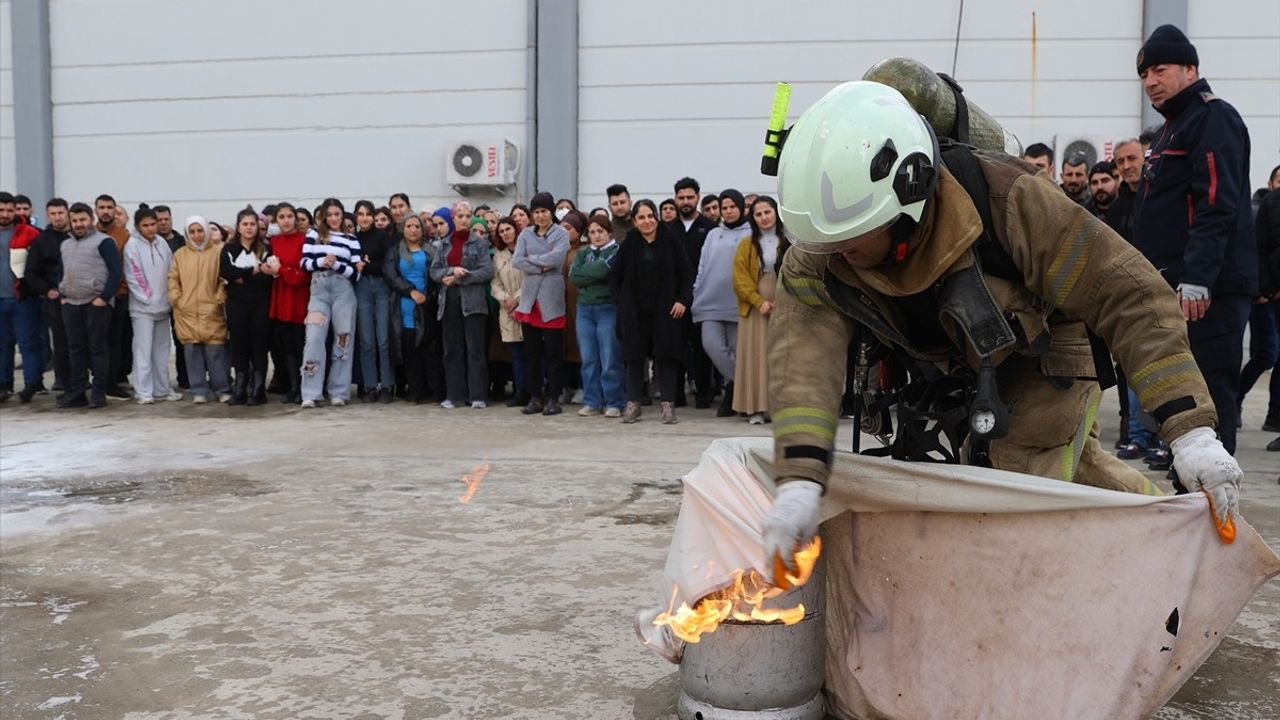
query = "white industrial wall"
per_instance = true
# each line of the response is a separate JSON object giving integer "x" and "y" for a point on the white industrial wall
{"x": 8, "y": 177}
{"x": 691, "y": 95}
{"x": 1239, "y": 47}
{"x": 208, "y": 106}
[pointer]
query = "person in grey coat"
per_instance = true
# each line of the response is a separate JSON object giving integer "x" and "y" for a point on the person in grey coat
{"x": 463, "y": 268}
{"x": 540, "y": 253}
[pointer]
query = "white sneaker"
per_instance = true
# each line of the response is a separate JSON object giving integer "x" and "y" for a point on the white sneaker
{"x": 479, "y": 404}
{"x": 308, "y": 404}
{"x": 173, "y": 397}
{"x": 224, "y": 398}
{"x": 613, "y": 413}
{"x": 756, "y": 419}
{"x": 577, "y": 397}
{"x": 146, "y": 401}
{"x": 337, "y": 402}
{"x": 448, "y": 405}
{"x": 199, "y": 400}
{"x": 588, "y": 411}
{"x": 658, "y": 638}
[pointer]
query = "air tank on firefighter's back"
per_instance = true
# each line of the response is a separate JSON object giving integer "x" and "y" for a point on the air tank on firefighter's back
{"x": 933, "y": 98}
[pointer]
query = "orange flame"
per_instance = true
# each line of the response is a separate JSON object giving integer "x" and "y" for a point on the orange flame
{"x": 742, "y": 601}
{"x": 472, "y": 481}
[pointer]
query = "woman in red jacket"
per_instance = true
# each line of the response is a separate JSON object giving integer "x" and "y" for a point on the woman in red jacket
{"x": 289, "y": 296}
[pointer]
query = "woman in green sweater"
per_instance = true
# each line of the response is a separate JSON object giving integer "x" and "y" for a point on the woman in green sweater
{"x": 597, "y": 321}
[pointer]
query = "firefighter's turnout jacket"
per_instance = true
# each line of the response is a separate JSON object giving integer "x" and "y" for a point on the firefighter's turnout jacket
{"x": 1075, "y": 272}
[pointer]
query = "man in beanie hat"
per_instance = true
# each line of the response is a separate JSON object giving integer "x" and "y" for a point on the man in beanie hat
{"x": 1191, "y": 216}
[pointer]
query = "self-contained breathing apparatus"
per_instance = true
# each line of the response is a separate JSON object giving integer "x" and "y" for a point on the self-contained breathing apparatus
{"x": 936, "y": 411}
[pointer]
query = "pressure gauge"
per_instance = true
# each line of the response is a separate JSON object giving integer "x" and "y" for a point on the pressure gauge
{"x": 982, "y": 422}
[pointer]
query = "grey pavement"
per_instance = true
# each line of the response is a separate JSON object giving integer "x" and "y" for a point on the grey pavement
{"x": 179, "y": 561}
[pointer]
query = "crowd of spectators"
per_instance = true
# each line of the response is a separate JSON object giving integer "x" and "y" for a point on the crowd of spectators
{"x": 538, "y": 306}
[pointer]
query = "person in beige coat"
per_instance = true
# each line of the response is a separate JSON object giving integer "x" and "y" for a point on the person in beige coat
{"x": 198, "y": 296}
{"x": 505, "y": 288}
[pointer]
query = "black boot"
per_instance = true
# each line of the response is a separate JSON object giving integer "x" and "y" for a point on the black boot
{"x": 240, "y": 392}
{"x": 726, "y": 404}
{"x": 294, "y": 394}
{"x": 257, "y": 389}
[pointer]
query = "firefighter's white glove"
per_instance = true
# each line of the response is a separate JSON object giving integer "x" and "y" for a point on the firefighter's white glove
{"x": 790, "y": 525}
{"x": 1203, "y": 463}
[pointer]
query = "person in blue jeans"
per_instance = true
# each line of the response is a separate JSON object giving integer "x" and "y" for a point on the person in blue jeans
{"x": 597, "y": 323}
{"x": 373, "y": 304}
{"x": 19, "y": 307}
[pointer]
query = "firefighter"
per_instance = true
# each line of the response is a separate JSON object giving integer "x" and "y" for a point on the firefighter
{"x": 885, "y": 236}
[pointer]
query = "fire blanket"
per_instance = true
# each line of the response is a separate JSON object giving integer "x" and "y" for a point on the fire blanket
{"x": 964, "y": 592}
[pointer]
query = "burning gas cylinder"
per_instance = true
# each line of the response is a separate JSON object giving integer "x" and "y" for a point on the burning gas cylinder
{"x": 747, "y": 669}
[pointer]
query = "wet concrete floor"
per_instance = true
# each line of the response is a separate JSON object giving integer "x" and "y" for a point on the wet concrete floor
{"x": 180, "y": 561}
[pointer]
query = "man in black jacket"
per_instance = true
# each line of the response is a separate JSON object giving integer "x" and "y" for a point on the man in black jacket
{"x": 690, "y": 230}
{"x": 1191, "y": 215}
{"x": 1267, "y": 233}
{"x": 42, "y": 275}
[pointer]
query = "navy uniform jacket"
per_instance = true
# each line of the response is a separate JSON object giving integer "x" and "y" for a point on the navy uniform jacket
{"x": 1191, "y": 217}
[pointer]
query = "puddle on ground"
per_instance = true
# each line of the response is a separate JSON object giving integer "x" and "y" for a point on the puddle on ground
{"x": 166, "y": 486}
{"x": 623, "y": 514}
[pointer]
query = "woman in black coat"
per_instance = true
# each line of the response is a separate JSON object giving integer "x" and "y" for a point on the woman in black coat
{"x": 653, "y": 282}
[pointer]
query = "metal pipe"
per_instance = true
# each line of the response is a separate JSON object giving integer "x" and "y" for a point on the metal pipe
{"x": 529, "y": 153}
{"x": 33, "y": 112}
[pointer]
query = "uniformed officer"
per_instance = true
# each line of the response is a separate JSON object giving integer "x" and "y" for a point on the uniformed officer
{"x": 885, "y": 236}
{"x": 1191, "y": 217}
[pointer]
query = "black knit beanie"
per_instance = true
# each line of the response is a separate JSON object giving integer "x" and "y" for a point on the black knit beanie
{"x": 542, "y": 200}
{"x": 1167, "y": 46}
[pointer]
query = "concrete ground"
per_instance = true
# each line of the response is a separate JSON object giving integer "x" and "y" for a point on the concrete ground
{"x": 180, "y": 561}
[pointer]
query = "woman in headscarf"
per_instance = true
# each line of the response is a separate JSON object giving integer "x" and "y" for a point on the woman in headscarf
{"x": 463, "y": 268}
{"x": 199, "y": 298}
{"x": 715, "y": 305}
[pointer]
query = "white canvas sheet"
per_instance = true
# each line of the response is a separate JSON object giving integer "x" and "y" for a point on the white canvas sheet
{"x": 960, "y": 592}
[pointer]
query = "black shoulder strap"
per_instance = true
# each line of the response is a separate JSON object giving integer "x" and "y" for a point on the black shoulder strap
{"x": 963, "y": 164}
{"x": 960, "y": 130}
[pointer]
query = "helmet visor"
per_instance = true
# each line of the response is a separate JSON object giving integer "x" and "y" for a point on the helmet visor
{"x": 839, "y": 246}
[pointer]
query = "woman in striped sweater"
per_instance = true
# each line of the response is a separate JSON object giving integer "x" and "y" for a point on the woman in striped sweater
{"x": 334, "y": 260}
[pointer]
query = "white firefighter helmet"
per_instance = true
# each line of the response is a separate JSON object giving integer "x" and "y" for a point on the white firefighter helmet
{"x": 854, "y": 163}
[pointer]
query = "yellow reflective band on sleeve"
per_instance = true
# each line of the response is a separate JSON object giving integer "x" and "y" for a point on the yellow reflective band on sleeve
{"x": 1149, "y": 488}
{"x": 1162, "y": 375}
{"x": 1072, "y": 451}
{"x": 807, "y": 290}
{"x": 1068, "y": 265}
{"x": 805, "y": 420}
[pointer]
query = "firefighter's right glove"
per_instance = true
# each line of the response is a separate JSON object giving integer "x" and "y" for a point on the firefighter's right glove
{"x": 790, "y": 525}
{"x": 1202, "y": 462}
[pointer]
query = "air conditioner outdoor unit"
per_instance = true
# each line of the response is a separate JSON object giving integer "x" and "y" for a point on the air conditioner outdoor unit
{"x": 1095, "y": 148}
{"x": 490, "y": 164}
